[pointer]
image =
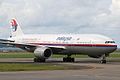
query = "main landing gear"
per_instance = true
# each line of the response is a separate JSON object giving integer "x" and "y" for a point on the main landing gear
{"x": 39, "y": 59}
{"x": 68, "y": 59}
{"x": 103, "y": 61}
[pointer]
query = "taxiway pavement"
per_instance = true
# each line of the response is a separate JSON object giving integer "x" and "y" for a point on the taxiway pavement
{"x": 109, "y": 71}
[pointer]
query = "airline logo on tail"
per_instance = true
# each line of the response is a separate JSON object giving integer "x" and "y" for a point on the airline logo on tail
{"x": 14, "y": 25}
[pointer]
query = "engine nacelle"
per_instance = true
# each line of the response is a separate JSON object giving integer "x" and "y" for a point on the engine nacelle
{"x": 43, "y": 52}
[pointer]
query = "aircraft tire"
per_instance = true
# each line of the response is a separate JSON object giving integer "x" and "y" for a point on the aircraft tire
{"x": 103, "y": 61}
{"x": 73, "y": 59}
{"x": 68, "y": 59}
{"x": 35, "y": 59}
{"x": 39, "y": 60}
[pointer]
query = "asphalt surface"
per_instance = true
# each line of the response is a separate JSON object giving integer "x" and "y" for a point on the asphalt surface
{"x": 109, "y": 71}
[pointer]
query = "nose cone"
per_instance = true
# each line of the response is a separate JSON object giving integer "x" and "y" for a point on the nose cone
{"x": 112, "y": 49}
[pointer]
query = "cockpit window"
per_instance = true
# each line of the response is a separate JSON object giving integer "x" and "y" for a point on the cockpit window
{"x": 110, "y": 42}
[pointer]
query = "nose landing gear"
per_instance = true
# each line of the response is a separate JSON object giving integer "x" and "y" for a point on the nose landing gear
{"x": 103, "y": 61}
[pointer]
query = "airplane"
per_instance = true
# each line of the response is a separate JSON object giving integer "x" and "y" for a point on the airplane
{"x": 44, "y": 45}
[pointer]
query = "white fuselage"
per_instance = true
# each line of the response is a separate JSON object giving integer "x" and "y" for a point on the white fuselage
{"x": 89, "y": 44}
{"x": 44, "y": 45}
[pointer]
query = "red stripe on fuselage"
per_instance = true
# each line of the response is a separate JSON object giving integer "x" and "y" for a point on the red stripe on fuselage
{"x": 85, "y": 45}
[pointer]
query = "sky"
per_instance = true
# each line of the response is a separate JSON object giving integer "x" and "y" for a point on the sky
{"x": 62, "y": 16}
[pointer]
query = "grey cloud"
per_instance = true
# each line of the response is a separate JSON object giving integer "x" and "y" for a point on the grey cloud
{"x": 62, "y": 16}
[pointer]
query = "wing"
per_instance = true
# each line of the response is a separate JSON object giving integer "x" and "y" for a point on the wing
{"x": 29, "y": 47}
{"x": 5, "y": 40}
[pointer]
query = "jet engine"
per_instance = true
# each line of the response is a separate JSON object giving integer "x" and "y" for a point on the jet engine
{"x": 43, "y": 52}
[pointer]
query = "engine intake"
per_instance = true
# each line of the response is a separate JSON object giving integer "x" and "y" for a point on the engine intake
{"x": 43, "y": 52}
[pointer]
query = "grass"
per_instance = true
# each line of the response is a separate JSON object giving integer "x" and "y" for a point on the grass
{"x": 115, "y": 55}
{"x": 31, "y": 67}
{"x": 31, "y": 55}
{"x": 38, "y": 66}
{"x": 16, "y": 55}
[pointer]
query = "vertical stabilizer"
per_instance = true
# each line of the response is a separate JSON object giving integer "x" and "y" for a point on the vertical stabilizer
{"x": 15, "y": 29}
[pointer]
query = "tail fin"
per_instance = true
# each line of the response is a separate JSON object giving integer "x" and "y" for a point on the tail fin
{"x": 15, "y": 28}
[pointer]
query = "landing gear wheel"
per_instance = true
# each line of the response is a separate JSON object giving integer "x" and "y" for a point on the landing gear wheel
{"x": 68, "y": 59}
{"x": 103, "y": 61}
{"x": 72, "y": 59}
{"x": 35, "y": 59}
{"x": 39, "y": 60}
